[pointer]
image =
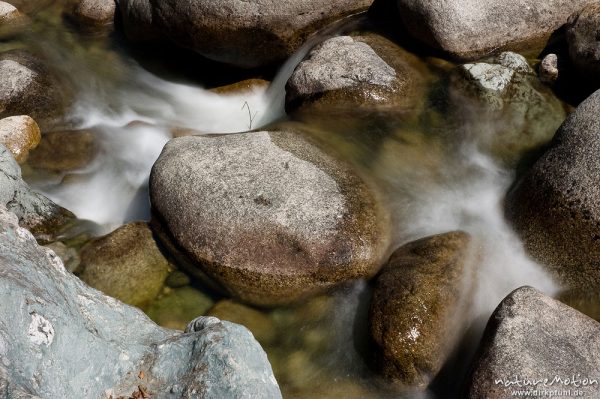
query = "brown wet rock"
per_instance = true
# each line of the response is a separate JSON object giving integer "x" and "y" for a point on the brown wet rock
{"x": 241, "y": 87}
{"x": 125, "y": 264}
{"x": 175, "y": 308}
{"x": 583, "y": 33}
{"x": 256, "y": 321}
{"x": 417, "y": 304}
{"x": 268, "y": 215}
{"x": 64, "y": 151}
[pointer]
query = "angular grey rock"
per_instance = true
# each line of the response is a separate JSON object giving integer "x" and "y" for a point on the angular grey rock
{"x": 27, "y": 87}
{"x": 532, "y": 337}
{"x": 555, "y": 205}
{"x": 520, "y": 113}
{"x": 582, "y": 37}
{"x": 268, "y": 215}
{"x": 354, "y": 72}
{"x": 243, "y": 33}
{"x": 34, "y": 211}
{"x": 61, "y": 339}
{"x": 470, "y": 29}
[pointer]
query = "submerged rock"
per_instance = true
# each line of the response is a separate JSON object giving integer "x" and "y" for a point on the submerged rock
{"x": 268, "y": 215}
{"x": 257, "y": 322}
{"x": 470, "y": 29}
{"x": 125, "y": 264}
{"x": 64, "y": 151}
{"x": 355, "y": 73}
{"x": 555, "y": 205}
{"x": 19, "y": 134}
{"x": 27, "y": 87}
{"x": 417, "y": 311}
{"x": 35, "y": 212}
{"x": 247, "y": 34}
{"x": 531, "y": 337}
{"x": 64, "y": 339}
{"x": 549, "y": 69}
{"x": 177, "y": 307}
{"x": 582, "y": 37}
{"x": 504, "y": 107}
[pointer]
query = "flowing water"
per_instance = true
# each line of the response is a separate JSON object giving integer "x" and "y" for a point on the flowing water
{"x": 433, "y": 184}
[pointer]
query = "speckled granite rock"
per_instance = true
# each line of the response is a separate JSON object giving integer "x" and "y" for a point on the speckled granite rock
{"x": 268, "y": 215}
{"x": 469, "y": 29}
{"x": 243, "y": 33}
{"x": 532, "y": 337}
{"x": 61, "y": 339}
{"x": 19, "y": 134}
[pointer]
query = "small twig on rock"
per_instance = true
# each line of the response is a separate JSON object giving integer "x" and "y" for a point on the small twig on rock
{"x": 249, "y": 114}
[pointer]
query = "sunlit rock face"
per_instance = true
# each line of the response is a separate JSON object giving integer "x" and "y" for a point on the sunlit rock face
{"x": 59, "y": 336}
{"x": 268, "y": 215}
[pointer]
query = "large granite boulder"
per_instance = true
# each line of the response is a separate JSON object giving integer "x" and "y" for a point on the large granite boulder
{"x": 555, "y": 205}
{"x": 419, "y": 307}
{"x": 27, "y": 87}
{"x": 583, "y": 32}
{"x": 19, "y": 134}
{"x": 535, "y": 343}
{"x": 35, "y": 212}
{"x": 268, "y": 215}
{"x": 61, "y": 339}
{"x": 355, "y": 73}
{"x": 243, "y": 33}
{"x": 501, "y": 105}
{"x": 469, "y": 29}
{"x": 126, "y": 264}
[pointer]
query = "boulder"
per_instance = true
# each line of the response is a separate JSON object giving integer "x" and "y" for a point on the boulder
{"x": 30, "y": 7}
{"x": 423, "y": 290}
{"x": 35, "y": 212}
{"x": 583, "y": 33}
{"x": 125, "y": 264}
{"x": 503, "y": 106}
{"x": 93, "y": 13}
{"x": 27, "y": 87}
{"x": 11, "y": 19}
{"x": 535, "y": 343}
{"x": 555, "y": 205}
{"x": 64, "y": 151}
{"x": 175, "y": 308}
{"x": 355, "y": 73}
{"x": 261, "y": 326}
{"x": 243, "y": 33}
{"x": 60, "y": 339}
{"x": 267, "y": 215}
{"x": 470, "y": 29}
{"x": 19, "y": 134}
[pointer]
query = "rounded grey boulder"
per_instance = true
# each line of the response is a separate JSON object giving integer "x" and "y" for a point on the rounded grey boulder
{"x": 61, "y": 339}
{"x": 268, "y": 215}
{"x": 357, "y": 73}
{"x": 555, "y": 205}
{"x": 537, "y": 340}
{"x": 470, "y": 29}
{"x": 243, "y": 33}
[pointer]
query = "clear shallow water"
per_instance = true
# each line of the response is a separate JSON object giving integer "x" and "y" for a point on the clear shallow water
{"x": 433, "y": 183}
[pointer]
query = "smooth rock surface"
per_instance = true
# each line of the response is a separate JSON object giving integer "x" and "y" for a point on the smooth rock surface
{"x": 555, "y": 206}
{"x": 19, "y": 134}
{"x": 549, "y": 69}
{"x": 11, "y": 19}
{"x": 34, "y": 211}
{"x": 504, "y": 107}
{"x": 268, "y": 215}
{"x": 27, "y": 87}
{"x": 355, "y": 73}
{"x": 94, "y": 13}
{"x": 532, "y": 337}
{"x": 125, "y": 264}
{"x": 470, "y": 29}
{"x": 61, "y": 339}
{"x": 418, "y": 306}
{"x": 175, "y": 308}
{"x": 243, "y": 33}
{"x": 583, "y": 34}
